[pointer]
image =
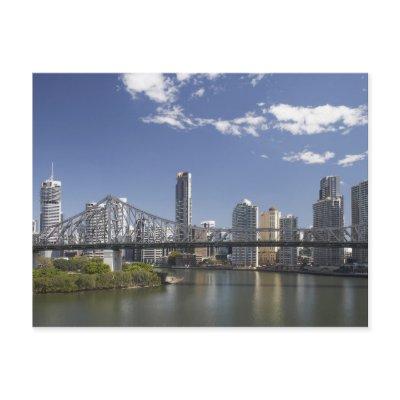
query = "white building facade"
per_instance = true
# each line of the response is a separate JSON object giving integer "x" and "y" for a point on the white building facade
{"x": 288, "y": 233}
{"x": 245, "y": 217}
{"x": 50, "y": 203}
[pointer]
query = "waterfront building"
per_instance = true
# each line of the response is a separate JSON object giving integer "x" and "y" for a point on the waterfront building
{"x": 152, "y": 256}
{"x": 328, "y": 213}
{"x": 50, "y": 202}
{"x": 269, "y": 219}
{"x": 245, "y": 218}
{"x": 203, "y": 235}
{"x": 288, "y": 233}
{"x": 359, "y": 216}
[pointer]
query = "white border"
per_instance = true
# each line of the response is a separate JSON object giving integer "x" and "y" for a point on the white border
{"x": 209, "y": 36}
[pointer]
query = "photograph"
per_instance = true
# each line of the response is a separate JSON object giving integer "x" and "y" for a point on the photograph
{"x": 200, "y": 200}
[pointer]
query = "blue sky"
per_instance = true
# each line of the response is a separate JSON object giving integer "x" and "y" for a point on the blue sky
{"x": 267, "y": 137}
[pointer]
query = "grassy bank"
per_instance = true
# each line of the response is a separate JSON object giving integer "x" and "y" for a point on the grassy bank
{"x": 92, "y": 275}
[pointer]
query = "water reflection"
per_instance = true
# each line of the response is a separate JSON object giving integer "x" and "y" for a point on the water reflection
{"x": 215, "y": 298}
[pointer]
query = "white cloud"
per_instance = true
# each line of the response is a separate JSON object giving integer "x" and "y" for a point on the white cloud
{"x": 182, "y": 76}
{"x": 350, "y": 159}
{"x": 309, "y": 157}
{"x": 212, "y": 76}
{"x": 156, "y": 87}
{"x": 172, "y": 116}
{"x": 250, "y": 124}
{"x": 313, "y": 120}
{"x": 255, "y": 78}
{"x": 198, "y": 93}
{"x": 264, "y": 156}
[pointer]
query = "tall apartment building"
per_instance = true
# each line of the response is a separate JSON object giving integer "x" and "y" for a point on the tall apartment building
{"x": 183, "y": 198}
{"x": 328, "y": 213}
{"x": 359, "y": 216}
{"x": 269, "y": 219}
{"x": 50, "y": 202}
{"x": 245, "y": 217}
{"x": 329, "y": 187}
{"x": 288, "y": 232}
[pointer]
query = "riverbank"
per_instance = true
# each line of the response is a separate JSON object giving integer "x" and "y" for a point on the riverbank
{"x": 51, "y": 280}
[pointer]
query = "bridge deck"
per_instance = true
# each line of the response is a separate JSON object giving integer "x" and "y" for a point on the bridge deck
{"x": 192, "y": 245}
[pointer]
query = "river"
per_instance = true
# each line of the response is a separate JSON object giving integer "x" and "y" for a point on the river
{"x": 215, "y": 298}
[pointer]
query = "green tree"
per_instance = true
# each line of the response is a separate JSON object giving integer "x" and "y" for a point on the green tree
{"x": 96, "y": 267}
{"x": 136, "y": 266}
{"x": 45, "y": 262}
{"x": 172, "y": 257}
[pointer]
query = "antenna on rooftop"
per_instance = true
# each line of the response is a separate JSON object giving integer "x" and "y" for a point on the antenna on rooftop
{"x": 52, "y": 173}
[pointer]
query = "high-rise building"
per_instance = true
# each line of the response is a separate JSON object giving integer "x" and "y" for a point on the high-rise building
{"x": 329, "y": 187}
{"x": 183, "y": 198}
{"x": 34, "y": 226}
{"x": 245, "y": 221}
{"x": 269, "y": 219}
{"x": 288, "y": 233}
{"x": 328, "y": 213}
{"x": 50, "y": 202}
{"x": 359, "y": 216}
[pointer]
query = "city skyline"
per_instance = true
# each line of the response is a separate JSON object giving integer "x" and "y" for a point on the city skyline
{"x": 280, "y": 175}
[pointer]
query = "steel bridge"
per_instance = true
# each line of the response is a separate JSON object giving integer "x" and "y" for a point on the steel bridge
{"x": 112, "y": 224}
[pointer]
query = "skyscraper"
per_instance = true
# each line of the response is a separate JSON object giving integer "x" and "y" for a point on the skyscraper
{"x": 183, "y": 198}
{"x": 269, "y": 219}
{"x": 359, "y": 216}
{"x": 329, "y": 187}
{"x": 50, "y": 202}
{"x": 328, "y": 213}
{"x": 245, "y": 218}
{"x": 288, "y": 233}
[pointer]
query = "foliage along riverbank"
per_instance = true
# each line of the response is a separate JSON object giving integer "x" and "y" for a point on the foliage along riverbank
{"x": 81, "y": 273}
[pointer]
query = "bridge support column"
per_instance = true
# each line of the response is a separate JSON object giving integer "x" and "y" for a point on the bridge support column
{"x": 113, "y": 258}
{"x": 35, "y": 258}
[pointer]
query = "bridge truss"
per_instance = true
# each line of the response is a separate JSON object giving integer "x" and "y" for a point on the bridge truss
{"x": 113, "y": 223}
